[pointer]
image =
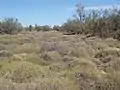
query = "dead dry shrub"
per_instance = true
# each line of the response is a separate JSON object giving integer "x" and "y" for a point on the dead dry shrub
{"x": 60, "y": 47}
{"x": 51, "y": 56}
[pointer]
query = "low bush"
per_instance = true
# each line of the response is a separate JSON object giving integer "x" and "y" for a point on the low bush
{"x": 26, "y": 72}
{"x": 59, "y": 47}
{"x": 5, "y": 53}
{"x": 51, "y": 56}
{"x": 25, "y": 48}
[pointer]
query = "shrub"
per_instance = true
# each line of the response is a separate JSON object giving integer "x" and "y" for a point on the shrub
{"x": 2, "y": 47}
{"x": 86, "y": 81}
{"x": 110, "y": 51}
{"x": 112, "y": 42}
{"x": 56, "y": 27}
{"x": 51, "y": 56}
{"x": 42, "y": 28}
{"x": 110, "y": 83}
{"x": 101, "y": 23}
{"x": 57, "y": 67}
{"x": 73, "y": 27}
{"x": 18, "y": 57}
{"x": 80, "y": 52}
{"x": 43, "y": 84}
{"x": 7, "y": 39}
{"x": 25, "y": 48}
{"x": 26, "y": 72}
{"x": 96, "y": 44}
{"x": 59, "y": 47}
{"x": 114, "y": 65}
{"x": 36, "y": 59}
{"x": 5, "y": 53}
{"x": 10, "y": 26}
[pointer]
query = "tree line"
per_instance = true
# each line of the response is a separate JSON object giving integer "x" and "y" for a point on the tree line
{"x": 103, "y": 23}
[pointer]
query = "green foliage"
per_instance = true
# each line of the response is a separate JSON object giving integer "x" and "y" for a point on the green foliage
{"x": 42, "y": 28}
{"x": 30, "y": 27}
{"x": 56, "y": 27}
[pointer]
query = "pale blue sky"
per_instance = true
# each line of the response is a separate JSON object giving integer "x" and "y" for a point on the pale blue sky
{"x": 45, "y": 11}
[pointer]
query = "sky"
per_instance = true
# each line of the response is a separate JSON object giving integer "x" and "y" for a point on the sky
{"x": 46, "y": 12}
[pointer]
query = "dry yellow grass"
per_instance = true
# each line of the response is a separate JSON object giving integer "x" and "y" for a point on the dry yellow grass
{"x": 53, "y": 61}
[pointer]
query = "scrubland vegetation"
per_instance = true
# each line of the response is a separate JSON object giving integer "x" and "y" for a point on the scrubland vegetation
{"x": 82, "y": 54}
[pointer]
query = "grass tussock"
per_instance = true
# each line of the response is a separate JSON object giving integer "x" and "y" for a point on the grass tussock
{"x": 53, "y": 61}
